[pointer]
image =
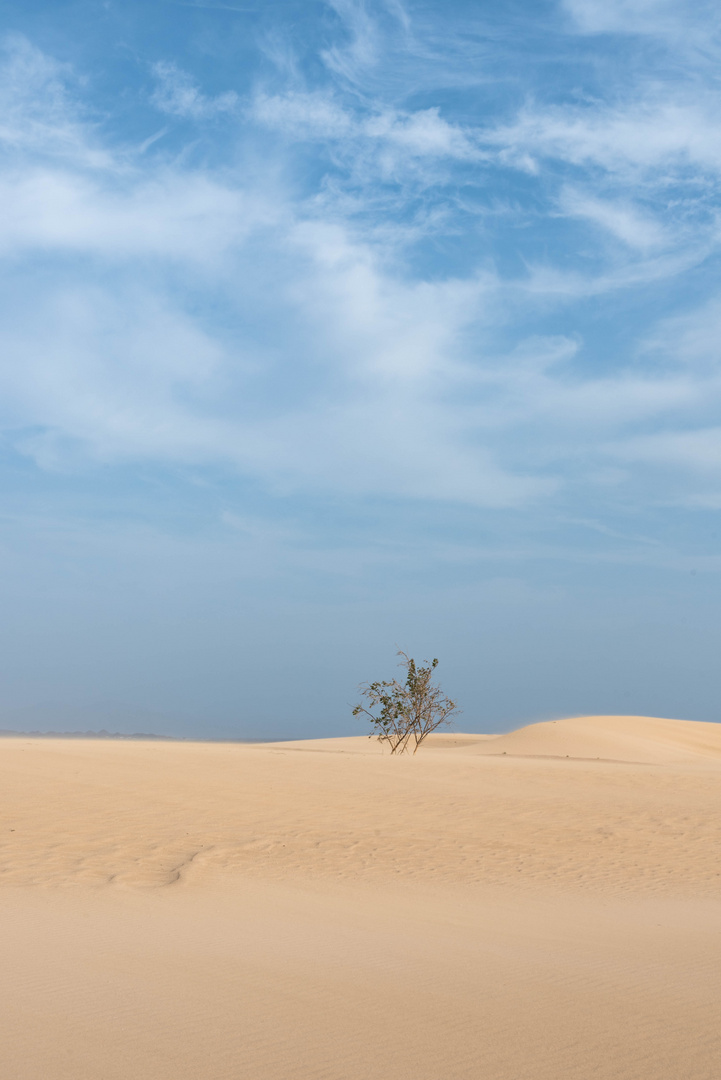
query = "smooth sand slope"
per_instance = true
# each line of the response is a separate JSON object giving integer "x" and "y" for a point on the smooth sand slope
{"x": 542, "y": 905}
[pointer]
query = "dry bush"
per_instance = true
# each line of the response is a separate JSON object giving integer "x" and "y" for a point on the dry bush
{"x": 402, "y": 714}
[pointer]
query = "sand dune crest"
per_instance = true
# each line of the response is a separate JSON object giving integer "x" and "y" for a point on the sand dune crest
{"x": 637, "y": 739}
{"x": 633, "y": 739}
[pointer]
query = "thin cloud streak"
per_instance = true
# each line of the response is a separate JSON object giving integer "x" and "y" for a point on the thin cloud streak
{"x": 396, "y": 382}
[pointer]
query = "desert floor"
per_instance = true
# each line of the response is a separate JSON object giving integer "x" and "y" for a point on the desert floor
{"x": 544, "y": 905}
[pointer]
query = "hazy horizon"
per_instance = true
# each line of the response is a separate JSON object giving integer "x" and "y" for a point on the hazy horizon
{"x": 339, "y": 327}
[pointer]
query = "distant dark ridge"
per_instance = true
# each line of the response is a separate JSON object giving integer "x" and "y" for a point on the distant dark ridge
{"x": 85, "y": 735}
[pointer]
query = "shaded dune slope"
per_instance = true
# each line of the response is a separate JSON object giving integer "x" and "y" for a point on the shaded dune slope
{"x": 639, "y": 739}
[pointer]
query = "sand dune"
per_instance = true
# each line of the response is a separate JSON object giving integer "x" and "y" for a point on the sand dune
{"x": 538, "y": 904}
{"x": 614, "y": 738}
{"x": 637, "y": 739}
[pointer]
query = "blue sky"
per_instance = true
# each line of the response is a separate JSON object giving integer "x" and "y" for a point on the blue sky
{"x": 333, "y": 327}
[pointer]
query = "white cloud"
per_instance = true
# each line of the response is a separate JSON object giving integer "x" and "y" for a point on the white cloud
{"x": 691, "y": 339}
{"x": 646, "y": 134}
{"x": 424, "y": 133}
{"x": 104, "y": 372}
{"x": 688, "y": 30}
{"x": 37, "y": 113}
{"x": 172, "y": 213}
{"x": 334, "y": 365}
{"x": 363, "y": 47}
{"x": 302, "y": 115}
{"x": 618, "y": 217}
{"x": 112, "y": 367}
{"x": 178, "y": 94}
{"x": 128, "y": 377}
{"x": 623, "y": 16}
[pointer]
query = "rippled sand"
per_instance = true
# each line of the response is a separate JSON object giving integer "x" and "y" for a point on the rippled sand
{"x": 541, "y": 905}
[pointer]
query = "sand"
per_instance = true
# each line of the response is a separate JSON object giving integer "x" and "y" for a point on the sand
{"x": 533, "y": 906}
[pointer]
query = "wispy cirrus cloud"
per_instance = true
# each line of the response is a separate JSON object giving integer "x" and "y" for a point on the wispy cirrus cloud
{"x": 317, "y": 116}
{"x": 41, "y": 108}
{"x": 390, "y": 307}
{"x": 345, "y": 360}
{"x": 178, "y": 94}
{"x": 628, "y": 223}
{"x": 123, "y": 371}
{"x": 363, "y": 45}
{"x": 628, "y": 140}
{"x": 304, "y": 115}
{"x": 653, "y": 18}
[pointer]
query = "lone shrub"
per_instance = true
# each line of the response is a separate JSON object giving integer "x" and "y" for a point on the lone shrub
{"x": 403, "y": 714}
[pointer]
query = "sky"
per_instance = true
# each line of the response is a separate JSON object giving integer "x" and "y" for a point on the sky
{"x": 333, "y": 328}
